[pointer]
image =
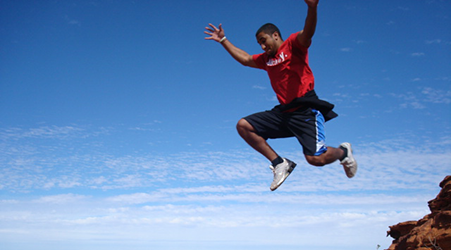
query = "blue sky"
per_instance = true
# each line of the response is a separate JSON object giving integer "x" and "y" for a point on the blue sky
{"x": 117, "y": 126}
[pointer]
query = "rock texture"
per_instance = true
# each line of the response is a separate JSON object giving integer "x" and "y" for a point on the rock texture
{"x": 433, "y": 231}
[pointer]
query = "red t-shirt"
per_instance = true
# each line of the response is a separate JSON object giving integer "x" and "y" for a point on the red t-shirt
{"x": 289, "y": 71}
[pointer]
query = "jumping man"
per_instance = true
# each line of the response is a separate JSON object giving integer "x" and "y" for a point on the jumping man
{"x": 301, "y": 113}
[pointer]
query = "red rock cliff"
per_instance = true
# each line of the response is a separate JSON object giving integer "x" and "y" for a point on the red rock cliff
{"x": 433, "y": 231}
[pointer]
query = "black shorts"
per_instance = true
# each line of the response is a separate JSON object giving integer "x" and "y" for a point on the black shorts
{"x": 306, "y": 124}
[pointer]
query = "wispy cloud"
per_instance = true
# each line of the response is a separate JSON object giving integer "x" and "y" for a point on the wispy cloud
{"x": 59, "y": 164}
{"x": 425, "y": 95}
{"x": 410, "y": 100}
{"x": 434, "y": 41}
{"x": 259, "y": 87}
{"x": 41, "y": 132}
{"x": 437, "y": 96}
{"x": 72, "y": 21}
{"x": 75, "y": 195}
{"x": 417, "y": 54}
{"x": 60, "y": 199}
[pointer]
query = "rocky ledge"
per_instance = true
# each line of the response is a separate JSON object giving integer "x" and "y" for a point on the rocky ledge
{"x": 433, "y": 231}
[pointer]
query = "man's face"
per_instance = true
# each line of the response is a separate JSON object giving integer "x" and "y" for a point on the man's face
{"x": 268, "y": 43}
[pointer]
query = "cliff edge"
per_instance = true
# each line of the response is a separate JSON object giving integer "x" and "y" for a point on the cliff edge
{"x": 433, "y": 231}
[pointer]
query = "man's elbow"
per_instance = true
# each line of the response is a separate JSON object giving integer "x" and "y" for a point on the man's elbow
{"x": 249, "y": 62}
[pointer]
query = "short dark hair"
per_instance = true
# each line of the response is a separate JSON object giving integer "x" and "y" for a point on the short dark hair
{"x": 269, "y": 29}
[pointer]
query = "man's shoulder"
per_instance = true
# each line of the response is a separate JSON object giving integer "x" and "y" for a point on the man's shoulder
{"x": 293, "y": 42}
{"x": 293, "y": 36}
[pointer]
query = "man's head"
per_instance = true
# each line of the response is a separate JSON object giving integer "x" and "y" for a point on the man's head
{"x": 269, "y": 38}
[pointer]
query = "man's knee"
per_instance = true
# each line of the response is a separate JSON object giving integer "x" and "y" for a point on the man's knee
{"x": 243, "y": 126}
{"x": 317, "y": 161}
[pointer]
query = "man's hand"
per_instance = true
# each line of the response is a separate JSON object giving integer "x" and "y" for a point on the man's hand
{"x": 215, "y": 34}
{"x": 312, "y": 3}
{"x": 305, "y": 36}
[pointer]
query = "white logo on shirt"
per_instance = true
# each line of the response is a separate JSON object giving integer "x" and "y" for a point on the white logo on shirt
{"x": 275, "y": 61}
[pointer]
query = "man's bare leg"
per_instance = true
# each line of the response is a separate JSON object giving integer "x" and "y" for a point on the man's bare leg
{"x": 331, "y": 155}
{"x": 281, "y": 170}
{"x": 247, "y": 132}
{"x": 343, "y": 153}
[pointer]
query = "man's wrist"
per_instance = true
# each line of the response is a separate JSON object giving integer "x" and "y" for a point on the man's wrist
{"x": 222, "y": 39}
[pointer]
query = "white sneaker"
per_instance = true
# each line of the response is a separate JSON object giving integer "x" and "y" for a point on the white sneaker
{"x": 281, "y": 172}
{"x": 349, "y": 163}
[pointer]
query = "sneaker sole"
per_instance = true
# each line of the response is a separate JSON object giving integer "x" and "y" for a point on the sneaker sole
{"x": 284, "y": 178}
{"x": 350, "y": 155}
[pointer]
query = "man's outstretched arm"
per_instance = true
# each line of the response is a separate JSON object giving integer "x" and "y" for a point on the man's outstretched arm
{"x": 305, "y": 36}
{"x": 217, "y": 34}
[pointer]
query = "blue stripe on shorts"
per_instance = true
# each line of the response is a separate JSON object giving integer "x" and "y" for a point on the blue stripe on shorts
{"x": 320, "y": 133}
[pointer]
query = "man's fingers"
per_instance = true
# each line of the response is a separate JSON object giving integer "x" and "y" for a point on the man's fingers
{"x": 212, "y": 31}
{"x": 214, "y": 27}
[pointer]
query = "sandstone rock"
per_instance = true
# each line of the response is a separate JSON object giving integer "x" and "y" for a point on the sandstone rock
{"x": 433, "y": 231}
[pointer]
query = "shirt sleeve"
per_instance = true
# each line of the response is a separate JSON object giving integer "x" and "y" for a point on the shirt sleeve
{"x": 296, "y": 44}
{"x": 260, "y": 60}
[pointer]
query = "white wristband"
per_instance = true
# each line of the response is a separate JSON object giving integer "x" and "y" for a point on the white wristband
{"x": 222, "y": 39}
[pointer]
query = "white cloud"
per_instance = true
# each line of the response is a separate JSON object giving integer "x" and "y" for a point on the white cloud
{"x": 417, "y": 54}
{"x": 68, "y": 217}
{"x": 434, "y": 41}
{"x": 39, "y": 170}
{"x": 403, "y": 8}
{"x": 71, "y": 21}
{"x": 259, "y": 87}
{"x": 41, "y": 132}
{"x": 409, "y": 100}
{"x": 215, "y": 195}
{"x": 137, "y": 198}
{"x": 22, "y": 139}
{"x": 437, "y": 95}
{"x": 59, "y": 199}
